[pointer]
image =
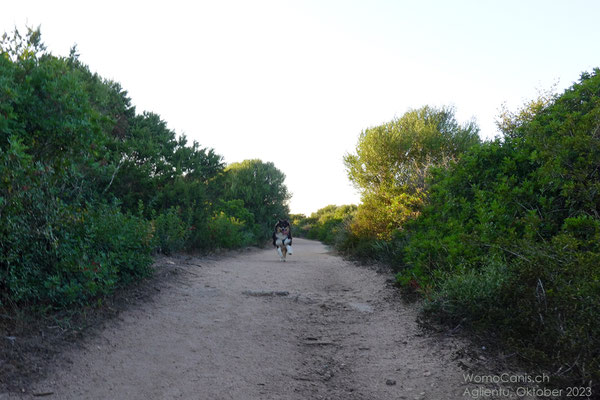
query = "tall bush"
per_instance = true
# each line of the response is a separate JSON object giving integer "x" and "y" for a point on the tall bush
{"x": 89, "y": 189}
{"x": 55, "y": 253}
{"x": 393, "y": 161}
{"x": 260, "y": 185}
{"x": 509, "y": 239}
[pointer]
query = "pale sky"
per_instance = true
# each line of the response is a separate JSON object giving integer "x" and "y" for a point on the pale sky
{"x": 295, "y": 82}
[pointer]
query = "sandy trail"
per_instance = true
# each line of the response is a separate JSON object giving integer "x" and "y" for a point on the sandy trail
{"x": 251, "y": 327}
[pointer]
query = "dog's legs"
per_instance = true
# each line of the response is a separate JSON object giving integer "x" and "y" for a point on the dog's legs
{"x": 288, "y": 246}
{"x": 279, "y": 245}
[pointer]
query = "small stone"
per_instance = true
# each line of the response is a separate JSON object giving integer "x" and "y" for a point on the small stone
{"x": 427, "y": 373}
{"x": 390, "y": 382}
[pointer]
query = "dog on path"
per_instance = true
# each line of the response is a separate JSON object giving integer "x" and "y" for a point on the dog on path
{"x": 282, "y": 239}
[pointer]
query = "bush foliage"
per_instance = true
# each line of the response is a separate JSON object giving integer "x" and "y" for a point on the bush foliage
{"x": 326, "y": 224}
{"x": 509, "y": 239}
{"x": 393, "y": 161}
{"x": 89, "y": 189}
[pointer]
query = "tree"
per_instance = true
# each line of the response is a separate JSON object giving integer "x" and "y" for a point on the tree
{"x": 261, "y": 186}
{"x": 393, "y": 161}
{"x": 400, "y": 153}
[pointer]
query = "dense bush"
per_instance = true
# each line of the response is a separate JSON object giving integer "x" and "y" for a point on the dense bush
{"x": 325, "y": 224}
{"x": 261, "y": 187}
{"x": 391, "y": 168}
{"x": 228, "y": 232}
{"x": 509, "y": 240}
{"x": 170, "y": 231}
{"x": 301, "y": 224}
{"x": 393, "y": 161}
{"x": 89, "y": 189}
{"x": 55, "y": 253}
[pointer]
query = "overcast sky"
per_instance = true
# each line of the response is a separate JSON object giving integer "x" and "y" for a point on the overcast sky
{"x": 295, "y": 82}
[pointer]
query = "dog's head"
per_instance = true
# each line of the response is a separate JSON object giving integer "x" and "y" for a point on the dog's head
{"x": 282, "y": 226}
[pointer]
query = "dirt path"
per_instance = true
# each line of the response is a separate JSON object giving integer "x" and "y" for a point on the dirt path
{"x": 251, "y": 327}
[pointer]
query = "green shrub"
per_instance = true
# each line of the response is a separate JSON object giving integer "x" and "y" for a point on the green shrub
{"x": 170, "y": 231}
{"x": 76, "y": 162}
{"x": 56, "y": 253}
{"x": 301, "y": 225}
{"x": 253, "y": 232}
{"x": 260, "y": 185}
{"x": 97, "y": 251}
{"x": 393, "y": 161}
{"x": 509, "y": 240}
{"x": 228, "y": 232}
{"x": 472, "y": 295}
{"x": 326, "y": 224}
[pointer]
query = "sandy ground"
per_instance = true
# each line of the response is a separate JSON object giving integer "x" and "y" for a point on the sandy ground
{"x": 252, "y": 327}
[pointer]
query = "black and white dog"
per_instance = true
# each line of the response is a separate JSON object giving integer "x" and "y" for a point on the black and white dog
{"x": 282, "y": 239}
